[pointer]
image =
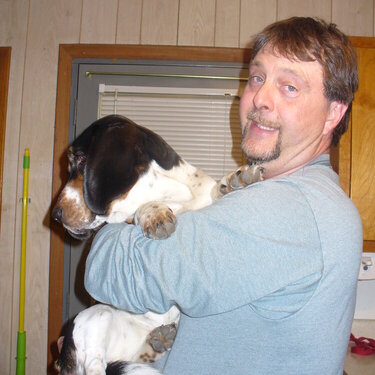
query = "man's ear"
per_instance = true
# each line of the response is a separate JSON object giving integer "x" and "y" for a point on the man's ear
{"x": 336, "y": 112}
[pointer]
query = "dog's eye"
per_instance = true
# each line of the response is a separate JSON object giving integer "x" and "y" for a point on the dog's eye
{"x": 77, "y": 161}
{"x": 80, "y": 160}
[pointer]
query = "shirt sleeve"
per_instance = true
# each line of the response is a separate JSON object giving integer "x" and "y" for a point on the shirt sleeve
{"x": 251, "y": 244}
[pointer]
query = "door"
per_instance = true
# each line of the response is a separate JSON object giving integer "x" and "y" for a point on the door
{"x": 133, "y": 87}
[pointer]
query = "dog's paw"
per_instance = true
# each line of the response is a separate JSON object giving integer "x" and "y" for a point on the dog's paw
{"x": 242, "y": 177}
{"x": 156, "y": 220}
{"x": 162, "y": 338}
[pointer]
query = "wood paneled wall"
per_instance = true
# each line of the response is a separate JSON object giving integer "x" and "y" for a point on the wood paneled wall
{"x": 34, "y": 29}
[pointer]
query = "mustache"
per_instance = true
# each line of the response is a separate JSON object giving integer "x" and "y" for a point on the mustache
{"x": 255, "y": 116}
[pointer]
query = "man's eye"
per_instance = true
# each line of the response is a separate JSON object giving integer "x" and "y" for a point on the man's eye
{"x": 291, "y": 89}
{"x": 256, "y": 79}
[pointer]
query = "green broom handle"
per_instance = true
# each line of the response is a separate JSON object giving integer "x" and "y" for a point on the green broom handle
{"x": 21, "y": 338}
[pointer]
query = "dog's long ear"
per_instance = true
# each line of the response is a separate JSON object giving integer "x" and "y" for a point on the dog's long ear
{"x": 113, "y": 165}
{"x": 158, "y": 149}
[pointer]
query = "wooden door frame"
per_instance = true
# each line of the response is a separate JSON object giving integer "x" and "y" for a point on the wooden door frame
{"x": 67, "y": 53}
{"x": 343, "y": 152}
{"x": 5, "y": 56}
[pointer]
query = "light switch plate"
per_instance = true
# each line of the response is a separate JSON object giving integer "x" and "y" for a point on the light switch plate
{"x": 365, "y": 305}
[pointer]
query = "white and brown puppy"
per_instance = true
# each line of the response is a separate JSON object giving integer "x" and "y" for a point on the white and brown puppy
{"x": 122, "y": 172}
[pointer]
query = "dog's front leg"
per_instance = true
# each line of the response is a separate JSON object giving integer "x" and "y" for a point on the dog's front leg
{"x": 156, "y": 220}
{"x": 242, "y": 177}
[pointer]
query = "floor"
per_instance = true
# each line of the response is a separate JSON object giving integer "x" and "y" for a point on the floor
{"x": 361, "y": 365}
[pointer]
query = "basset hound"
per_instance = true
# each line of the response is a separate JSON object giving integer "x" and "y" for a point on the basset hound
{"x": 122, "y": 172}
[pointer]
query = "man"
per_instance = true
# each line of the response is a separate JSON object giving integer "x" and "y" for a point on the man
{"x": 266, "y": 277}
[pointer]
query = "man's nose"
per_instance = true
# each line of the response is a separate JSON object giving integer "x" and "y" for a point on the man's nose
{"x": 264, "y": 97}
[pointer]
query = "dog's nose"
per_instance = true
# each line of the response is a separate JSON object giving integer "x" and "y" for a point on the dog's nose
{"x": 57, "y": 214}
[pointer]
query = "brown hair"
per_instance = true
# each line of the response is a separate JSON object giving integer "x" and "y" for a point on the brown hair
{"x": 312, "y": 39}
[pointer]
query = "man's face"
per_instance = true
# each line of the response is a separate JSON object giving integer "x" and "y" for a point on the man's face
{"x": 283, "y": 112}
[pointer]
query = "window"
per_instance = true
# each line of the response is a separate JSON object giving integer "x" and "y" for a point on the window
{"x": 201, "y": 124}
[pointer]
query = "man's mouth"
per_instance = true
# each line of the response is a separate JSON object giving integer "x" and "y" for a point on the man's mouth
{"x": 255, "y": 120}
{"x": 263, "y": 127}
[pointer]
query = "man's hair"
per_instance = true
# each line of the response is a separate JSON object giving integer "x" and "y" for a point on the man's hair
{"x": 312, "y": 39}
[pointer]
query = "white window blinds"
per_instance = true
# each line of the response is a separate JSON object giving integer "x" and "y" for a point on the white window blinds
{"x": 202, "y": 125}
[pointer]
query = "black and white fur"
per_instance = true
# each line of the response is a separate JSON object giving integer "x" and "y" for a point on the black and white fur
{"x": 122, "y": 172}
{"x": 105, "y": 340}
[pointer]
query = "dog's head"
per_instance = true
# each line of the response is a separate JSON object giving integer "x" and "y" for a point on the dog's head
{"x": 105, "y": 162}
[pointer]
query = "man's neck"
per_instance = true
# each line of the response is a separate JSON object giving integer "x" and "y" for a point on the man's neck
{"x": 275, "y": 168}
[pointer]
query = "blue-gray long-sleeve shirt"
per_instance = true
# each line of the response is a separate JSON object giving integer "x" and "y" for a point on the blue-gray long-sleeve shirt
{"x": 265, "y": 277}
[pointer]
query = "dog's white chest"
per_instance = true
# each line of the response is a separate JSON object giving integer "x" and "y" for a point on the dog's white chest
{"x": 182, "y": 188}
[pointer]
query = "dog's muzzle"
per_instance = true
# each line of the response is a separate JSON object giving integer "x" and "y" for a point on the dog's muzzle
{"x": 79, "y": 234}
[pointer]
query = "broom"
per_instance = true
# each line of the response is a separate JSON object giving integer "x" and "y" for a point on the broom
{"x": 21, "y": 337}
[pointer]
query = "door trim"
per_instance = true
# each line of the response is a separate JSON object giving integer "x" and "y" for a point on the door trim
{"x": 5, "y": 56}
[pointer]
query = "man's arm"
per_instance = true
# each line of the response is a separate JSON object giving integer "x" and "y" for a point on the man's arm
{"x": 248, "y": 245}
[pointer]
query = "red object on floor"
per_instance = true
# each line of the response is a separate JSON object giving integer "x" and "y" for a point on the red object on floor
{"x": 363, "y": 345}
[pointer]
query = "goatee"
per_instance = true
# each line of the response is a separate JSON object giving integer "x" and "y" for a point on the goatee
{"x": 251, "y": 156}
